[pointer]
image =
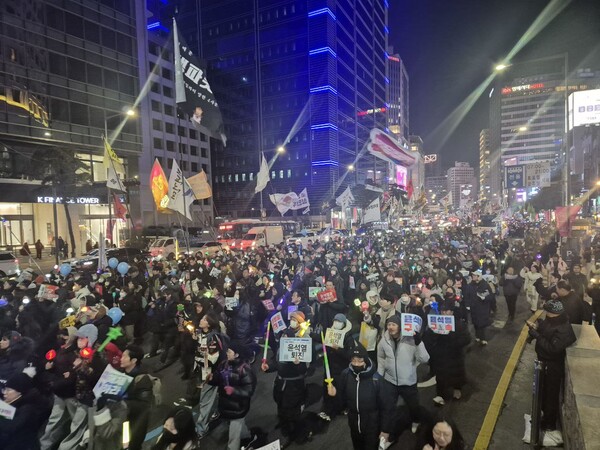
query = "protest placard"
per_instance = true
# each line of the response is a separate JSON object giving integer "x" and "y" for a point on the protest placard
{"x": 292, "y": 348}
{"x": 68, "y": 321}
{"x": 313, "y": 291}
{"x": 441, "y": 324}
{"x": 334, "y": 338}
{"x": 351, "y": 282}
{"x": 327, "y": 296}
{"x": 409, "y": 321}
{"x": 112, "y": 382}
{"x": 278, "y": 323}
{"x": 7, "y": 411}
{"x": 268, "y": 304}
{"x": 215, "y": 272}
{"x": 231, "y": 302}
{"x": 272, "y": 446}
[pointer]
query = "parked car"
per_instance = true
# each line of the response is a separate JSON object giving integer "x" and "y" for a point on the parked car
{"x": 9, "y": 264}
{"x": 209, "y": 248}
{"x": 122, "y": 254}
{"x": 164, "y": 247}
{"x": 303, "y": 238}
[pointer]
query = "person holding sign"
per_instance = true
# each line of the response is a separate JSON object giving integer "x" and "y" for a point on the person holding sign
{"x": 23, "y": 410}
{"x": 480, "y": 300}
{"x": 340, "y": 345}
{"x": 447, "y": 356}
{"x": 359, "y": 390}
{"x": 329, "y": 309}
{"x": 398, "y": 357}
{"x": 289, "y": 390}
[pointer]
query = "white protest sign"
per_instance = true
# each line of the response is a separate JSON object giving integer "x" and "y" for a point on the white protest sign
{"x": 215, "y": 272}
{"x": 112, "y": 382}
{"x": 292, "y": 348}
{"x": 351, "y": 283}
{"x": 409, "y": 321}
{"x": 272, "y": 446}
{"x": 7, "y": 411}
{"x": 278, "y": 323}
{"x": 334, "y": 337}
{"x": 313, "y": 291}
{"x": 231, "y": 302}
{"x": 441, "y": 324}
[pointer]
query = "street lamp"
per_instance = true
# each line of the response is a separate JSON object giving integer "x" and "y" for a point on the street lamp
{"x": 129, "y": 112}
{"x": 350, "y": 167}
{"x": 281, "y": 149}
{"x": 523, "y": 128}
{"x": 501, "y": 67}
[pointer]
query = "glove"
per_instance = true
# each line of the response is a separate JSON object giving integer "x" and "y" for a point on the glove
{"x": 228, "y": 390}
{"x": 533, "y": 334}
{"x": 417, "y": 338}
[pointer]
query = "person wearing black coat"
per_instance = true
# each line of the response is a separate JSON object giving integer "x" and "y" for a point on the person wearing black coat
{"x": 358, "y": 390}
{"x": 573, "y": 304}
{"x": 479, "y": 299}
{"x": 511, "y": 286}
{"x": 15, "y": 351}
{"x": 447, "y": 356}
{"x": 391, "y": 289}
{"x": 236, "y": 383}
{"x": 553, "y": 336}
{"x": 32, "y": 409}
{"x": 161, "y": 315}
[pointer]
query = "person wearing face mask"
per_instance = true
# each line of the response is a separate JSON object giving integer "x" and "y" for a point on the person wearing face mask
{"x": 358, "y": 391}
{"x": 338, "y": 361}
{"x": 552, "y": 336}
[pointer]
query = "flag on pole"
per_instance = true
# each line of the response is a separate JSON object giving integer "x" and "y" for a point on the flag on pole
{"x": 345, "y": 199}
{"x": 372, "y": 212}
{"x": 113, "y": 181}
{"x": 262, "y": 178}
{"x": 200, "y": 186}
{"x": 110, "y": 225}
{"x": 181, "y": 195}
{"x": 111, "y": 159}
{"x": 159, "y": 187}
{"x": 410, "y": 189}
{"x": 120, "y": 211}
{"x": 193, "y": 93}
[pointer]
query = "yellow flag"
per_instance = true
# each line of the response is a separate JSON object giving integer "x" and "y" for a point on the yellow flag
{"x": 159, "y": 187}
{"x": 200, "y": 186}
{"x": 111, "y": 158}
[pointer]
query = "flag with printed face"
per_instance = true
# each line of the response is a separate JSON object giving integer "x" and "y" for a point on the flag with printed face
{"x": 159, "y": 187}
{"x": 193, "y": 93}
{"x": 200, "y": 186}
{"x": 262, "y": 178}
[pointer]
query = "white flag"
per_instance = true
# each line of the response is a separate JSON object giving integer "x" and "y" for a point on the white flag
{"x": 181, "y": 195}
{"x": 372, "y": 212}
{"x": 262, "y": 178}
{"x": 113, "y": 181}
{"x": 345, "y": 199}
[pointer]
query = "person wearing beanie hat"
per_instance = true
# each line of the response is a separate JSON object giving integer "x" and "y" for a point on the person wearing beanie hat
{"x": 30, "y": 414}
{"x": 552, "y": 335}
{"x": 87, "y": 336}
{"x": 358, "y": 391}
{"x": 397, "y": 360}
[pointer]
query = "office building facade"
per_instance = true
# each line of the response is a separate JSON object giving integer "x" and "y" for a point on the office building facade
{"x": 397, "y": 100}
{"x": 67, "y": 71}
{"x": 462, "y": 183}
{"x": 484, "y": 165}
{"x": 308, "y": 76}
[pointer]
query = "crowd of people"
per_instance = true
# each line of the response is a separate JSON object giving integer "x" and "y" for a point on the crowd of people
{"x": 340, "y": 306}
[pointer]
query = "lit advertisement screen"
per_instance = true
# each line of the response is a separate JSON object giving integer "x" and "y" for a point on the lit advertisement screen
{"x": 401, "y": 175}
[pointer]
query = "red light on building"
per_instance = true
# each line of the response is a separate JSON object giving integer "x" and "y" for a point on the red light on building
{"x": 371, "y": 111}
{"x": 394, "y": 58}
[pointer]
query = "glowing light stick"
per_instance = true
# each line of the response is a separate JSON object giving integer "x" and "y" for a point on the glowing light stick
{"x": 112, "y": 334}
{"x": 126, "y": 434}
{"x": 328, "y": 380}
{"x": 303, "y": 327}
{"x": 264, "y": 359}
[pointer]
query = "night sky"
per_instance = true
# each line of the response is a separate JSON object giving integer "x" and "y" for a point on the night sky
{"x": 450, "y": 47}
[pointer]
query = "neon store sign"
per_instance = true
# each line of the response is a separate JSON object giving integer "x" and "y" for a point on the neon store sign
{"x": 371, "y": 111}
{"x": 521, "y": 88}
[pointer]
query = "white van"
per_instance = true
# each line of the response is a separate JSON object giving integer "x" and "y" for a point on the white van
{"x": 262, "y": 236}
{"x": 164, "y": 247}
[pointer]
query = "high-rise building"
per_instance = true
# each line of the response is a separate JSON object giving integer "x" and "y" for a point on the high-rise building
{"x": 167, "y": 135}
{"x": 309, "y": 77}
{"x": 397, "y": 98}
{"x": 69, "y": 70}
{"x": 484, "y": 165}
{"x": 461, "y": 179}
{"x": 436, "y": 188}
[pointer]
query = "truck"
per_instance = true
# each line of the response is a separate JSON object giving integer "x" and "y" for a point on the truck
{"x": 261, "y": 236}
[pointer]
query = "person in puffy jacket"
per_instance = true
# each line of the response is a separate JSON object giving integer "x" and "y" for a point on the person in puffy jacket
{"x": 236, "y": 383}
{"x": 531, "y": 276}
{"x": 15, "y": 351}
{"x": 511, "y": 285}
{"x": 359, "y": 390}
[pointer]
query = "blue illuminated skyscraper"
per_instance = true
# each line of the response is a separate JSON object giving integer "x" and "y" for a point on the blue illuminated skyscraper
{"x": 308, "y": 75}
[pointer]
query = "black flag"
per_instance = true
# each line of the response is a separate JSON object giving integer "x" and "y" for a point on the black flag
{"x": 193, "y": 93}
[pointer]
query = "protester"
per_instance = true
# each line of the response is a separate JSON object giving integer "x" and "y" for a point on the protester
{"x": 511, "y": 285}
{"x": 440, "y": 434}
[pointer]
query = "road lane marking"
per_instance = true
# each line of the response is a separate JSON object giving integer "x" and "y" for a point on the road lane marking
{"x": 491, "y": 417}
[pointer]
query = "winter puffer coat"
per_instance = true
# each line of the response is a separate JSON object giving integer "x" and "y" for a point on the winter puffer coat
{"x": 511, "y": 284}
{"x": 32, "y": 411}
{"x": 240, "y": 376}
{"x": 15, "y": 359}
{"x": 446, "y": 354}
{"x": 480, "y": 299}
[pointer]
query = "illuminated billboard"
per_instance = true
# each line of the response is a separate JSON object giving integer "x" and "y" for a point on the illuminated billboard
{"x": 401, "y": 176}
{"x": 584, "y": 108}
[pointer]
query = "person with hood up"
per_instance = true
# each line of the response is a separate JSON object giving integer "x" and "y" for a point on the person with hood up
{"x": 15, "y": 351}
{"x": 552, "y": 336}
{"x": 398, "y": 357}
{"x": 289, "y": 389}
{"x": 338, "y": 356}
{"x": 236, "y": 383}
{"x": 511, "y": 286}
{"x": 19, "y": 433}
{"x": 531, "y": 276}
{"x": 447, "y": 357}
{"x": 359, "y": 391}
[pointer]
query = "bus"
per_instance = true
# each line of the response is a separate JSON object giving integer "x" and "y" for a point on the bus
{"x": 229, "y": 232}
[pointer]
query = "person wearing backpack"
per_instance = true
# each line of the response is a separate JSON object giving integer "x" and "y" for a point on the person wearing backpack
{"x": 139, "y": 396}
